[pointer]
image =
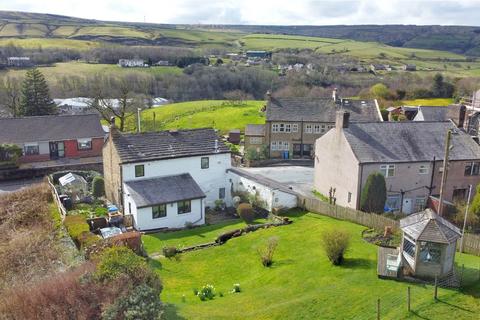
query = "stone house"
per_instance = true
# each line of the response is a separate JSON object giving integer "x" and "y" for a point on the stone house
{"x": 408, "y": 154}
{"x": 293, "y": 124}
{"x": 254, "y": 136}
{"x": 166, "y": 179}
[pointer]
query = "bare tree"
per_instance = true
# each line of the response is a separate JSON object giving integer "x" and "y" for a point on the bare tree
{"x": 10, "y": 93}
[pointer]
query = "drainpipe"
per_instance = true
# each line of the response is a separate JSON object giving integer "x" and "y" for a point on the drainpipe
{"x": 301, "y": 138}
{"x": 201, "y": 212}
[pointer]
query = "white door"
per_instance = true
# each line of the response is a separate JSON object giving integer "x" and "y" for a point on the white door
{"x": 407, "y": 205}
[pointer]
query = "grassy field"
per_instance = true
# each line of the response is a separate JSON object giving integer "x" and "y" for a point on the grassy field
{"x": 59, "y": 70}
{"x": 429, "y": 102}
{"x": 57, "y": 43}
{"x": 301, "y": 284}
{"x": 219, "y": 114}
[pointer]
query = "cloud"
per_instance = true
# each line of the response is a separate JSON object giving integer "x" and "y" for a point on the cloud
{"x": 279, "y": 12}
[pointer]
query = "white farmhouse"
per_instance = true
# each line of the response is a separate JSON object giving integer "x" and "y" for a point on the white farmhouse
{"x": 166, "y": 179}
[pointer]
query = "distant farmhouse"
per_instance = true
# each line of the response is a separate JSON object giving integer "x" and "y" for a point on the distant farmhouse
{"x": 409, "y": 67}
{"x": 19, "y": 62}
{"x": 258, "y": 54}
{"x": 131, "y": 63}
{"x": 293, "y": 124}
{"x": 408, "y": 153}
{"x": 59, "y": 138}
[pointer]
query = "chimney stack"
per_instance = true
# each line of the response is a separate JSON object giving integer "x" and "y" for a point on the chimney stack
{"x": 335, "y": 95}
{"x": 216, "y": 145}
{"x": 462, "y": 114}
{"x": 112, "y": 122}
{"x": 342, "y": 120}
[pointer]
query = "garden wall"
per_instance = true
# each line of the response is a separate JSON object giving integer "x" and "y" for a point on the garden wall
{"x": 471, "y": 243}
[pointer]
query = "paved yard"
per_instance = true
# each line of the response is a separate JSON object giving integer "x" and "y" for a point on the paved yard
{"x": 297, "y": 177}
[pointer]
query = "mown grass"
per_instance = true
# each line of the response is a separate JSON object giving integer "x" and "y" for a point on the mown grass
{"x": 57, "y": 43}
{"x": 302, "y": 283}
{"x": 429, "y": 102}
{"x": 219, "y": 114}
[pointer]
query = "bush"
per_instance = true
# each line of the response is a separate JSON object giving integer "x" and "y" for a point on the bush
{"x": 169, "y": 252}
{"x": 335, "y": 243}
{"x": 207, "y": 292}
{"x": 76, "y": 225}
{"x": 245, "y": 211}
{"x": 374, "y": 194}
{"x": 266, "y": 253}
{"x": 236, "y": 288}
{"x": 98, "y": 187}
{"x": 117, "y": 261}
{"x": 142, "y": 303}
{"x": 86, "y": 239}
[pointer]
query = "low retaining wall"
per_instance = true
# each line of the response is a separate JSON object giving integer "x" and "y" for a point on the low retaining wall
{"x": 15, "y": 174}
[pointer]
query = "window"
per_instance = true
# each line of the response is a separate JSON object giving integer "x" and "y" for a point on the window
{"x": 184, "y": 206}
{"x": 129, "y": 208}
{"x": 274, "y": 145}
{"x": 316, "y": 128}
{"x": 286, "y": 146}
{"x": 84, "y": 144}
{"x": 31, "y": 149}
{"x": 139, "y": 170}
{"x": 275, "y": 127}
{"x": 288, "y": 127}
{"x": 205, "y": 162}
{"x": 430, "y": 252}
{"x": 256, "y": 140}
{"x": 388, "y": 170}
{"x": 159, "y": 211}
{"x": 295, "y": 127}
{"x": 409, "y": 247}
{"x": 323, "y": 128}
{"x": 393, "y": 202}
{"x": 308, "y": 128}
{"x": 221, "y": 193}
{"x": 472, "y": 168}
{"x": 423, "y": 169}
{"x": 419, "y": 204}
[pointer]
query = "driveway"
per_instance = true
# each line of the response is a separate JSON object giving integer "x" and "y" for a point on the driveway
{"x": 297, "y": 177}
{"x": 13, "y": 185}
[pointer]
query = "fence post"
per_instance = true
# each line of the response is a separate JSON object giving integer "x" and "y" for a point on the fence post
{"x": 378, "y": 309}
{"x": 436, "y": 288}
{"x": 408, "y": 299}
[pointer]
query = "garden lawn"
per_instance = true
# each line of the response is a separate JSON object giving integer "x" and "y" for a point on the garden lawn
{"x": 301, "y": 284}
{"x": 429, "y": 102}
{"x": 219, "y": 114}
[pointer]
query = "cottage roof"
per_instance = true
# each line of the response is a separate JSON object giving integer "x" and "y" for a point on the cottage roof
{"x": 255, "y": 130}
{"x": 429, "y": 226}
{"x": 145, "y": 146}
{"x": 50, "y": 128}
{"x": 405, "y": 141}
{"x": 320, "y": 109}
{"x": 431, "y": 114}
{"x": 166, "y": 189}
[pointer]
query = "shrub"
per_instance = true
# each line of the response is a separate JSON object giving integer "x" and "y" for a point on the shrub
{"x": 219, "y": 204}
{"x": 86, "y": 239}
{"x": 335, "y": 243}
{"x": 245, "y": 211}
{"x": 236, "y": 288}
{"x": 266, "y": 253}
{"x": 142, "y": 303}
{"x": 76, "y": 225}
{"x": 207, "y": 292}
{"x": 169, "y": 252}
{"x": 374, "y": 193}
{"x": 98, "y": 187}
{"x": 117, "y": 261}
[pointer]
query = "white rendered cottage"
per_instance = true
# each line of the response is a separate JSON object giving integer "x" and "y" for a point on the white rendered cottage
{"x": 166, "y": 179}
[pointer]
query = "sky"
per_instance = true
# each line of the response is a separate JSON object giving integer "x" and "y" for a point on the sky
{"x": 265, "y": 12}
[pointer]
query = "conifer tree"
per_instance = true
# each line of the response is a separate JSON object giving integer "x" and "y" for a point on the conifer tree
{"x": 36, "y": 99}
{"x": 374, "y": 193}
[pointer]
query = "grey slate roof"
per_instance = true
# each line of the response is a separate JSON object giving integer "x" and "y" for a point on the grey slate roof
{"x": 320, "y": 109}
{"x": 166, "y": 189}
{"x": 429, "y": 226}
{"x": 255, "y": 130}
{"x": 145, "y": 146}
{"x": 406, "y": 141}
{"x": 431, "y": 114}
{"x": 262, "y": 180}
{"x": 50, "y": 128}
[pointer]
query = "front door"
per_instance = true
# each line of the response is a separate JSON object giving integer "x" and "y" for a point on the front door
{"x": 297, "y": 150}
{"x": 57, "y": 150}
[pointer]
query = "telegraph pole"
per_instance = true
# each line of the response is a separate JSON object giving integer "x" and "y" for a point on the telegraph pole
{"x": 465, "y": 219}
{"x": 445, "y": 171}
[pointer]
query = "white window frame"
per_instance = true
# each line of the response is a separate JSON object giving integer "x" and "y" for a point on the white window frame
{"x": 385, "y": 170}
{"x": 420, "y": 202}
{"x": 84, "y": 144}
{"x": 281, "y": 127}
{"x": 274, "y": 146}
{"x": 31, "y": 144}
{"x": 295, "y": 127}
{"x": 286, "y": 146}
{"x": 274, "y": 127}
{"x": 423, "y": 169}
{"x": 323, "y": 128}
{"x": 308, "y": 128}
{"x": 316, "y": 128}
{"x": 255, "y": 140}
{"x": 288, "y": 127}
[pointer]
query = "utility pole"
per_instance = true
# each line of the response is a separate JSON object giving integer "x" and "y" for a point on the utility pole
{"x": 465, "y": 218}
{"x": 445, "y": 171}
{"x": 138, "y": 120}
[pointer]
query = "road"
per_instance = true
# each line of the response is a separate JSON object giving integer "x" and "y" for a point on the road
{"x": 13, "y": 185}
{"x": 297, "y": 177}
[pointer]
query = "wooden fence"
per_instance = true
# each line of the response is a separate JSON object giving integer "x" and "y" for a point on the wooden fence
{"x": 471, "y": 243}
{"x": 56, "y": 198}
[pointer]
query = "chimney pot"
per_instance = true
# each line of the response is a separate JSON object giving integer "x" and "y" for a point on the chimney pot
{"x": 335, "y": 94}
{"x": 112, "y": 122}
